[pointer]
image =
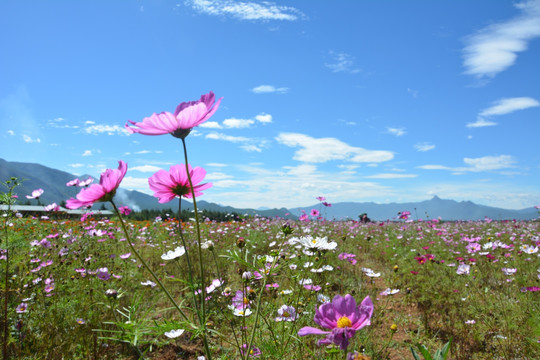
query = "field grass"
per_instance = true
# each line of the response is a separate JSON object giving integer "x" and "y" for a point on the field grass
{"x": 75, "y": 289}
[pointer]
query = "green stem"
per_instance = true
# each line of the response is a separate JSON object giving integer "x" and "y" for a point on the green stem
{"x": 188, "y": 259}
{"x": 146, "y": 265}
{"x": 201, "y": 267}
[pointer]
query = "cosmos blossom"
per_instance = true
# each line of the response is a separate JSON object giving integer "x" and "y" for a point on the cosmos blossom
{"x": 104, "y": 191}
{"x": 168, "y": 185}
{"x": 342, "y": 317}
{"x": 35, "y": 194}
{"x": 186, "y": 116}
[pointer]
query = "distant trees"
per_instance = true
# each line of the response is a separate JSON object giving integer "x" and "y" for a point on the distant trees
{"x": 185, "y": 215}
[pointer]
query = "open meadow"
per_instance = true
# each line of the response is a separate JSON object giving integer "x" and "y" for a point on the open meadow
{"x": 75, "y": 289}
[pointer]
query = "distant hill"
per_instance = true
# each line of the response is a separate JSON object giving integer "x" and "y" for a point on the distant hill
{"x": 429, "y": 209}
{"x": 53, "y": 182}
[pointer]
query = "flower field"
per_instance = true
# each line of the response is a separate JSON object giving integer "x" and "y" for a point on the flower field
{"x": 76, "y": 290}
{"x": 253, "y": 287}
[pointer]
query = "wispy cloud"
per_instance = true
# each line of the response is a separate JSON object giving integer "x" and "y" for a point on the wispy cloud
{"x": 342, "y": 62}
{"x": 145, "y": 168}
{"x": 246, "y": 10}
{"x": 60, "y": 123}
{"x": 236, "y": 123}
{"x": 396, "y": 131}
{"x": 391, "y": 176}
{"x": 28, "y": 139}
{"x": 481, "y": 123}
{"x": 502, "y": 107}
{"x": 320, "y": 150}
{"x": 486, "y": 163}
{"x": 265, "y": 89}
{"x": 494, "y": 48}
{"x": 424, "y": 147}
{"x": 247, "y": 144}
{"x": 11, "y": 132}
{"x": 87, "y": 153}
{"x": 106, "y": 129}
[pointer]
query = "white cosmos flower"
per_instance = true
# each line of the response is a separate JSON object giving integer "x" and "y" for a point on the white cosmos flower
{"x": 240, "y": 312}
{"x": 174, "y": 333}
{"x": 148, "y": 283}
{"x": 463, "y": 269}
{"x": 389, "y": 292}
{"x": 173, "y": 254}
{"x": 305, "y": 282}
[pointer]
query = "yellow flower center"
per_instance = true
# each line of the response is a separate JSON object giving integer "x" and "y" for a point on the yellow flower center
{"x": 313, "y": 241}
{"x": 344, "y": 322}
{"x": 286, "y": 314}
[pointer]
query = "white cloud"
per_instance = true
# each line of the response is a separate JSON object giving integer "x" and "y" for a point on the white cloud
{"x": 486, "y": 163}
{"x": 87, "y": 153}
{"x": 251, "y": 148}
{"x": 424, "y": 147}
{"x": 396, "y": 131}
{"x": 391, "y": 176}
{"x": 342, "y": 62}
{"x": 509, "y": 105}
{"x": 263, "y": 89}
{"x": 325, "y": 149}
{"x": 481, "y": 123}
{"x": 107, "y": 129}
{"x": 217, "y": 165}
{"x": 11, "y": 132}
{"x": 246, "y": 10}
{"x": 213, "y": 176}
{"x": 264, "y": 118}
{"x": 75, "y": 166}
{"x": 210, "y": 125}
{"x": 28, "y": 139}
{"x": 237, "y": 123}
{"x": 59, "y": 123}
{"x": 145, "y": 168}
{"x": 134, "y": 183}
{"x": 494, "y": 48}
{"x": 229, "y": 138}
{"x": 502, "y": 107}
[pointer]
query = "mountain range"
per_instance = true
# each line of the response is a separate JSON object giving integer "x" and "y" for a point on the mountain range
{"x": 53, "y": 182}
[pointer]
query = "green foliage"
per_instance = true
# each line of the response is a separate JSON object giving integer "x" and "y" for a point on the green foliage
{"x": 439, "y": 354}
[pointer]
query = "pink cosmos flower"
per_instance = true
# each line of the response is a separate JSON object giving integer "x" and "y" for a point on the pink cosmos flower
{"x": 104, "y": 191}
{"x": 168, "y": 185}
{"x": 85, "y": 182}
{"x": 186, "y": 116}
{"x": 314, "y": 212}
{"x": 73, "y": 182}
{"x": 320, "y": 198}
{"x": 342, "y": 317}
{"x": 35, "y": 194}
{"x": 124, "y": 210}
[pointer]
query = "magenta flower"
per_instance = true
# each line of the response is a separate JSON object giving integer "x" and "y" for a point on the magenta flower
{"x": 124, "y": 210}
{"x": 320, "y": 198}
{"x": 186, "y": 116}
{"x": 314, "y": 212}
{"x": 168, "y": 185}
{"x": 104, "y": 191}
{"x": 35, "y": 194}
{"x": 342, "y": 317}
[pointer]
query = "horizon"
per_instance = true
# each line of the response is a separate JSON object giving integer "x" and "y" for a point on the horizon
{"x": 354, "y": 101}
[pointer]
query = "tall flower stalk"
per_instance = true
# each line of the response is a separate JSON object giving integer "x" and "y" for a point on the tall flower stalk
{"x": 179, "y": 183}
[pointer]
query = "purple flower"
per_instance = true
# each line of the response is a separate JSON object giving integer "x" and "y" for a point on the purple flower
{"x": 21, "y": 308}
{"x": 103, "y": 274}
{"x": 342, "y": 317}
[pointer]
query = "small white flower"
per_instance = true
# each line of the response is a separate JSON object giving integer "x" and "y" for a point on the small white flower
{"x": 463, "y": 269}
{"x": 148, "y": 283}
{"x": 174, "y": 333}
{"x": 508, "y": 271}
{"x": 173, "y": 254}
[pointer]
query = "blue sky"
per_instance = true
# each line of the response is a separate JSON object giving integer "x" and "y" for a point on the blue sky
{"x": 384, "y": 101}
